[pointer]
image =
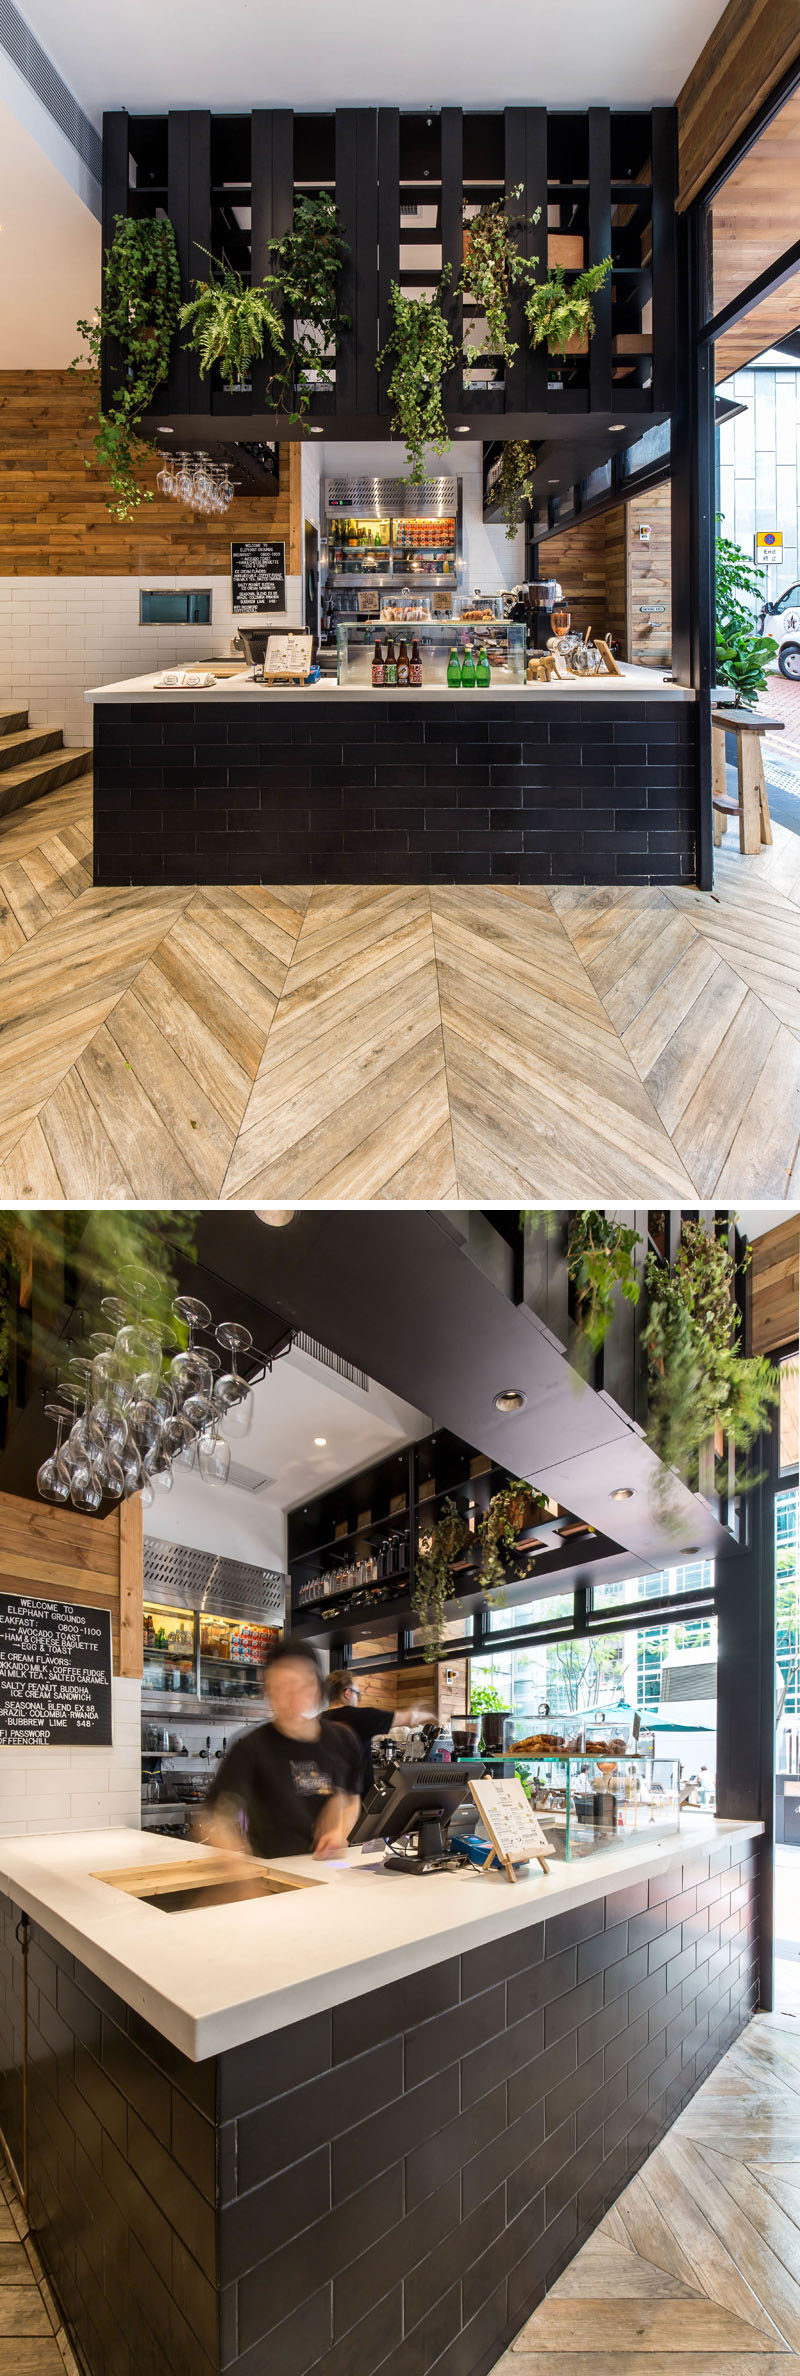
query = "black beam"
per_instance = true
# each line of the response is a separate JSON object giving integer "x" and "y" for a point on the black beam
{"x": 388, "y": 226}
{"x": 600, "y": 246}
{"x": 189, "y": 208}
{"x": 693, "y": 506}
{"x": 773, "y": 278}
{"x": 746, "y": 1686}
{"x": 272, "y": 204}
{"x": 357, "y": 201}
{"x": 452, "y": 134}
{"x": 115, "y": 202}
{"x": 665, "y": 182}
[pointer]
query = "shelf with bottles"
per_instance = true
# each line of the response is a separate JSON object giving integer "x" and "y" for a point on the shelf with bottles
{"x": 235, "y": 1642}
{"x": 490, "y": 655}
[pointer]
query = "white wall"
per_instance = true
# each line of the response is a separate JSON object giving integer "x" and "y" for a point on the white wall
{"x": 759, "y": 461}
{"x": 218, "y": 1518}
{"x": 54, "y": 1790}
{"x": 60, "y": 635}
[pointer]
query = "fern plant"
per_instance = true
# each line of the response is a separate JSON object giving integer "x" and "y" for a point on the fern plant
{"x": 231, "y": 321}
{"x": 421, "y": 351}
{"x": 557, "y": 310}
{"x": 138, "y": 313}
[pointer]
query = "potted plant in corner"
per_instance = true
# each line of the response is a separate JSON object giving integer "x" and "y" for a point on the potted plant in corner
{"x": 743, "y": 653}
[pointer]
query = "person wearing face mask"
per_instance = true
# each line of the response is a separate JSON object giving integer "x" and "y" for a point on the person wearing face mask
{"x": 289, "y": 1787}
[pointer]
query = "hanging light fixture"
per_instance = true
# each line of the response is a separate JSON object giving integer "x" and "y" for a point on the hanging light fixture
{"x": 137, "y": 1402}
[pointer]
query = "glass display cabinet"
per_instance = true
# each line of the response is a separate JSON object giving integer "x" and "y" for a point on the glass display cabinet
{"x": 202, "y": 1659}
{"x": 586, "y": 1801}
{"x": 503, "y": 643}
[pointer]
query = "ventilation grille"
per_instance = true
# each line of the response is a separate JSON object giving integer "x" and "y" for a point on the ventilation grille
{"x": 248, "y": 1480}
{"x": 42, "y": 77}
{"x": 396, "y": 496}
{"x": 689, "y": 1682}
{"x": 331, "y": 1361}
{"x": 177, "y": 1577}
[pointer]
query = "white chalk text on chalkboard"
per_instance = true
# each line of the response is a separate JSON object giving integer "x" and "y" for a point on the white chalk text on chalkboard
{"x": 55, "y": 1675}
{"x": 258, "y": 577}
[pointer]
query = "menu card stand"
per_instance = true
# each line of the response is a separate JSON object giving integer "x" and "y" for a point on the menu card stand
{"x": 287, "y": 660}
{"x": 515, "y": 1832}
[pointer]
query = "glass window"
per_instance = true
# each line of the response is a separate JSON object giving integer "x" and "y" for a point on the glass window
{"x": 789, "y": 1433}
{"x": 696, "y": 1576}
{"x": 652, "y": 447}
{"x": 787, "y": 1600}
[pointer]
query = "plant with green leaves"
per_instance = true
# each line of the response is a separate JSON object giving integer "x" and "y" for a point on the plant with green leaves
{"x": 433, "y": 1575}
{"x": 699, "y": 1380}
{"x": 511, "y": 1508}
{"x": 307, "y": 264}
{"x": 517, "y": 471}
{"x": 420, "y": 350}
{"x": 138, "y": 314}
{"x": 102, "y": 1251}
{"x": 558, "y": 309}
{"x": 492, "y": 267}
{"x": 484, "y": 1698}
{"x": 743, "y": 653}
{"x": 232, "y": 322}
{"x": 601, "y": 1264}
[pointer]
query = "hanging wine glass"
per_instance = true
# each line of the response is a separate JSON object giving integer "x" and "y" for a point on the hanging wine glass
{"x": 232, "y": 1394}
{"x": 213, "y": 1458}
{"x": 85, "y": 1490}
{"x": 131, "y": 1466}
{"x": 165, "y": 476}
{"x": 179, "y": 1436}
{"x": 144, "y": 1422}
{"x": 157, "y": 1468}
{"x": 52, "y": 1478}
{"x": 109, "y": 1474}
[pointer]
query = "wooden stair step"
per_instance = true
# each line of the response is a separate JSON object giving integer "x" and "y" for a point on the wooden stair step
{"x": 12, "y": 719}
{"x": 19, "y": 785}
{"x": 28, "y": 742}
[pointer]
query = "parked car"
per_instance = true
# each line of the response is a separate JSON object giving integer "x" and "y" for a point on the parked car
{"x": 781, "y": 618}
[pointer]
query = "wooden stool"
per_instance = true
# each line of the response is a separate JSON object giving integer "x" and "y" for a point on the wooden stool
{"x": 752, "y": 805}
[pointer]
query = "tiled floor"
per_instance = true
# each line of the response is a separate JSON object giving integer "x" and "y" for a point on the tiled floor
{"x": 32, "y": 2340}
{"x": 696, "y": 2269}
{"x": 395, "y": 1042}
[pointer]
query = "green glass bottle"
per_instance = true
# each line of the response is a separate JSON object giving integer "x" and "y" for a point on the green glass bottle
{"x": 468, "y": 668}
{"x": 483, "y": 673}
{"x": 454, "y": 670}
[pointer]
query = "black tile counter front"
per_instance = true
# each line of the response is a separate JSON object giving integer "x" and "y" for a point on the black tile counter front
{"x": 323, "y": 789}
{"x": 386, "y": 2186}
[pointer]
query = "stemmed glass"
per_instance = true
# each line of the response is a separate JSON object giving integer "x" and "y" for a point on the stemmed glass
{"x": 53, "y": 1477}
{"x": 233, "y": 1396}
{"x": 213, "y": 1456}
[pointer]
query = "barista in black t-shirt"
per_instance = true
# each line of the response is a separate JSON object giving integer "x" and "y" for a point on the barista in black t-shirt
{"x": 289, "y": 1787}
{"x": 365, "y": 1724}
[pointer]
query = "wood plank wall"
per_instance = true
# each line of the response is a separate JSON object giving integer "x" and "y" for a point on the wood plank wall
{"x": 53, "y": 517}
{"x": 577, "y": 558}
{"x": 775, "y": 1288}
{"x": 754, "y": 44}
{"x": 649, "y": 578}
{"x": 606, "y": 573}
{"x": 52, "y": 1554}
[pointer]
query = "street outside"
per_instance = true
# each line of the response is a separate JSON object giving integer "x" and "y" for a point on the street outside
{"x": 782, "y": 751}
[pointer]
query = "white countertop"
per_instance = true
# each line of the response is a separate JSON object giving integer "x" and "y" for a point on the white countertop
{"x": 644, "y": 683}
{"x": 214, "y": 1979}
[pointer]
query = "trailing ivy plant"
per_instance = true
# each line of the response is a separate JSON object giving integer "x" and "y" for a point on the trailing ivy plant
{"x": 139, "y": 312}
{"x": 492, "y": 267}
{"x": 517, "y": 470}
{"x": 433, "y": 1575}
{"x": 231, "y": 321}
{"x": 511, "y": 1508}
{"x": 557, "y": 310}
{"x": 103, "y": 1251}
{"x": 421, "y": 351}
{"x": 601, "y": 1265}
{"x": 308, "y": 263}
{"x": 698, "y": 1378}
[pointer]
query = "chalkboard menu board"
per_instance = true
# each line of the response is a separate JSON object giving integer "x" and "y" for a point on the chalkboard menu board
{"x": 258, "y": 577}
{"x": 55, "y": 1675}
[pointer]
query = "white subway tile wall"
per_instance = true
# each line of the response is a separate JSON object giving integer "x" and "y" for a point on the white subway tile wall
{"x": 54, "y": 1790}
{"x": 59, "y": 635}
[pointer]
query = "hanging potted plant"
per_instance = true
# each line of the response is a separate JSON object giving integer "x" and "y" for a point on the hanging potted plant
{"x": 231, "y": 322}
{"x": 492, "y": 266}
{"x": 421, "y": 351}
{"x": 308, "y": 263}
{"x": 601, "y": 1265}
{"x": 559, "y": 313}
{"x": 517, "y": 471}
{"x": 513, "y": 1507}
{"x": 433, "y": 1575}
{"x": 139, "y": 312}
{"x": 701, "y": 1388}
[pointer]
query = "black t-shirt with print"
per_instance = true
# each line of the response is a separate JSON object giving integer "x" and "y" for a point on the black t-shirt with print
{"x": 280, "y": 1785}
{"x": 364, "y": 1724}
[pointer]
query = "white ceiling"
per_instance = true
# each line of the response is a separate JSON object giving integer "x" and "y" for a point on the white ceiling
{"x": 326, "y": 53}
{"x": 299, "y": 1400}
{"x": 49, "y": 255}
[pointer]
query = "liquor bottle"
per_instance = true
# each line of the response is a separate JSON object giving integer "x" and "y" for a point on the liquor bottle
{"x": 402, "y": 665}
{"x": 378, "y": 676}
{"x": 390, "y": 671}
{"x": 415, "y": 665}
{"x": 454, "y": 670}
{"x": 483, "y": 673}
{"x": 468, "y": 667}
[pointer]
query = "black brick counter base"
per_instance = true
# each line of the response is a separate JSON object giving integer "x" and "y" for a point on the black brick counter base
{"x": 386, "y": 2190}
{"x": 331, "y": 791}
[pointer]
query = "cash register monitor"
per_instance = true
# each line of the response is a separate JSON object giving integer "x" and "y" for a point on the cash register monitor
{"x": 412, "y": 1809}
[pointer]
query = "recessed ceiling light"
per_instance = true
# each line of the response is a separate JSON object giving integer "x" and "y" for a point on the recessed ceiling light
{"x": 314, "y": 431}
{"x": 510, "y": 1398}
{"x": 622, "y": 1493}
{"x": 320, "y": 1442}
{"x": 275, "y": 1216}
{"x": 463, "y": 429}
{"x": 552, "y": 482}
{"x": 615, "y": 425}
{"x": 164, "y": 430}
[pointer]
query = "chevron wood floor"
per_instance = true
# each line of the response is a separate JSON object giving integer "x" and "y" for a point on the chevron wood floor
{"x": 696, "y": 2270}
{"x": 33, "y": 2341}
{"x": 394, "y": 1042}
